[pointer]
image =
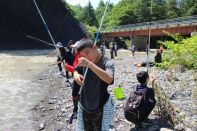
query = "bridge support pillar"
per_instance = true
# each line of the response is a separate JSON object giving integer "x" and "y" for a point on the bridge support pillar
{"x": 139, "y": 42}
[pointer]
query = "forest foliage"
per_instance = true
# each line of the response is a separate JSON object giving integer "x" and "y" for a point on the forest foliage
{"x": 133, "y": 11}
{"x": 181, "y": 51}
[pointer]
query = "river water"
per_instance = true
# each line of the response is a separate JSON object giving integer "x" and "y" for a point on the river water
{"x": 19, "y": 91}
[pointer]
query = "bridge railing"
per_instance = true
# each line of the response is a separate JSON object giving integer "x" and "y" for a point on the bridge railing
{"x": 180, "y": 21}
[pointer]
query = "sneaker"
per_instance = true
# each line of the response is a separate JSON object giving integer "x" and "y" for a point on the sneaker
{"x": 67, "y": 80}
{"x": 61, "y": 73}
{"x": 70, "y": 121}
{"x": 75, "y": 115}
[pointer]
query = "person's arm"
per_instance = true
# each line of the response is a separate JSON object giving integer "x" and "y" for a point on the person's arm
{"x": 152, "y": 80}
{"x": 57, "y": 61}
{"x": 78, "y": 78}
{"x": 53, "y": 53}
{"x": 105, "y": 75}
{"x": 69, "y": 67}
{"x": 102, "y": 74}
{"x": 72, "y": 68}
{"x": 137, "y": 64}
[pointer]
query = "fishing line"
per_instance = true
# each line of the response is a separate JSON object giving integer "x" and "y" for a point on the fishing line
{"x": 44, "y": 23}
{"x": 46, "y": 28}
{"x": 39, "y": 40}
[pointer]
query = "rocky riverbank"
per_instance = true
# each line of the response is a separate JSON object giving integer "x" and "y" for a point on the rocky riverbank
{"x": 53, "y": 112}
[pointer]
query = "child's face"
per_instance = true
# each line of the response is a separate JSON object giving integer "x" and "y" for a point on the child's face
{"x": 89, "y": 53}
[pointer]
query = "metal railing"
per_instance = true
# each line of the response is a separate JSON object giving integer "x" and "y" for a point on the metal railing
{"x": 175, "y": 22}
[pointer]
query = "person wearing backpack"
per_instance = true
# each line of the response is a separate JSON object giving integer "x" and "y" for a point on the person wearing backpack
{"x": 141, "y": 101}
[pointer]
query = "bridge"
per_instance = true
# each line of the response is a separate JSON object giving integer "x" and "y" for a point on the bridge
{"x": 181, "y": 25}
{"x": 139, "y": 32}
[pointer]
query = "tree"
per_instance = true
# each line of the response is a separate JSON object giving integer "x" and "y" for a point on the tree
{"x": 187, "y": 7}
{"x": 172, "y": 9}
{"x": 121, "y": 14}
{"x": 88, "y": 16}
{"x": 192, "y": 10}
{"x": 145, "y": 10}
{"x": 68, "y": 7}
{"x": 78, "y": 11}
{"x": 183, "y": 6}
{"x": 158, "y": 10}
{"x": 100, "y": 11}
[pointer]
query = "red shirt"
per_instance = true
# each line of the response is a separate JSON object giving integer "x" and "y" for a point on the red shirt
{"x": 75, "y": 63}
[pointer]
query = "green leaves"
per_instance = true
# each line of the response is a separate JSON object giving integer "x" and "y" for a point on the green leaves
{"x": 134, "y": 11}
{"x": 183, "y": 52}
{"x": 91, "y": 30}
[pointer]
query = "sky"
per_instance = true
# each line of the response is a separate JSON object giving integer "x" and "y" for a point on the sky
{"x": 85, "y": 2}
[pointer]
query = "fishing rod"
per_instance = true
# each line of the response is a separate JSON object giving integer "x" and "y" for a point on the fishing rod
{"x": 46, "y": 27}
{"x": 97, "y": 35}
{"x": 39, "y": 40}
{"x": 149, "y": 35}
{"x": 44, "y": 23}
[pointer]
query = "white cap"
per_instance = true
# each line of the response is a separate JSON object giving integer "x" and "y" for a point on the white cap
{"x": 59, "y": 44}
{"x": 75, "y": 45}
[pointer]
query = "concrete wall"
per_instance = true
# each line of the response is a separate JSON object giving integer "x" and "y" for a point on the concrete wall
{"x": 139, "y": 42}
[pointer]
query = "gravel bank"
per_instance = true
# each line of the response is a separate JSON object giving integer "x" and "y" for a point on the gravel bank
{"x": 52, "y": 113}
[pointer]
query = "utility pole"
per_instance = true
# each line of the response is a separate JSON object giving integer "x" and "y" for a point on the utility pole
{"x": 149, "y": 34}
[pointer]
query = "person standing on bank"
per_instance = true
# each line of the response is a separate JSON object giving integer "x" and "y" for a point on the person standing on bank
{"x": 69, "y": 55}
{"x": 61, "y": 57}
{"x": 96, "y": 107}
{"x": 64, "y": 55}
{"x": 111, "y": 47}
{"x": 115, "y": 49}
{"x": 133, "y": 49}
{"x": 102, "y": 48}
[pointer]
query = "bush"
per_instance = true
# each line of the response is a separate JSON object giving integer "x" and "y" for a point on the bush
{"x": 128, "y": 43}
{"x": 91, "y": 30}
{"x": 181, "y": 52}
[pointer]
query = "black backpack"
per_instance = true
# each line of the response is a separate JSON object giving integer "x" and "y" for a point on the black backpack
{"x": 139, "y": 105}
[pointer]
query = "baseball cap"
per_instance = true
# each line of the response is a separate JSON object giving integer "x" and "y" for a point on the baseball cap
{"x": 59, "y": 44}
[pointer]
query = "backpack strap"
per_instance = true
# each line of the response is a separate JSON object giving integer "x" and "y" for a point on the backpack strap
{"x": 135, "y": 88}
{"x": 144, "y": 92}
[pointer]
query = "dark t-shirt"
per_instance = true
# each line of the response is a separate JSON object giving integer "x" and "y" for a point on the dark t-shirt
{"x": 69, "y": 56}
{"x": 158, "y": 58}
{"x": 65, "y": 55}
{"x": 94, "y": 93}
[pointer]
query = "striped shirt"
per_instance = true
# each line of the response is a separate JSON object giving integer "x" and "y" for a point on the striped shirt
{"x": 108, "y": 115}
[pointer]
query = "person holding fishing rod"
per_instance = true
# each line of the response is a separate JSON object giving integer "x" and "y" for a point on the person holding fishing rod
{"x": 95, "y": 102}
{"x": 96, "y": 106}
{"x": 75, "y": 86}
{"x": 61, "y": 51}
{"x": 64, "y": 56}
